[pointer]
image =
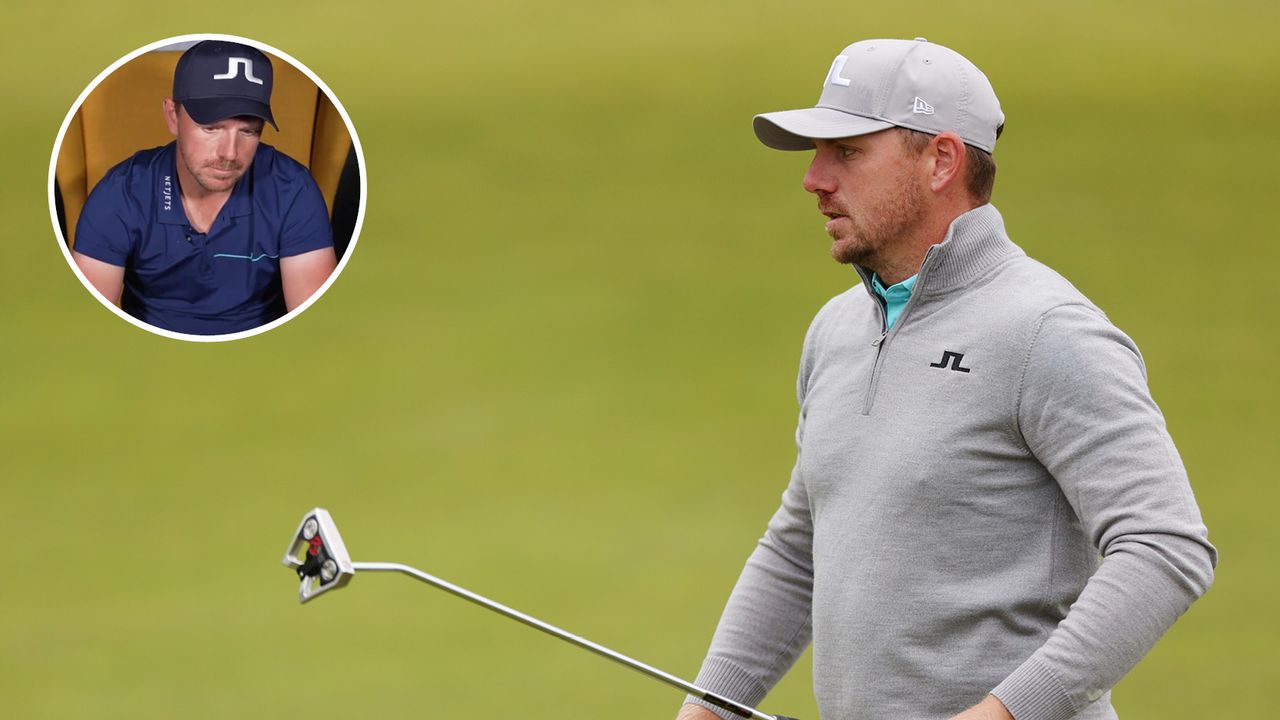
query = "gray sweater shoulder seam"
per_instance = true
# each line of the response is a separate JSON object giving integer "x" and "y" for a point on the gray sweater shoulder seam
{"x": 1031, "y": 345}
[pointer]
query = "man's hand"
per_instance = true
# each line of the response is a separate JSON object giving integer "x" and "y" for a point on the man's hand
{"x": 989, "y": 709}
{"x": 696, "y": 712}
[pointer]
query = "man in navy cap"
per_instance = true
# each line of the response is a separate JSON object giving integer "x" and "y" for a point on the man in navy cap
{"x": 215, "y": 232}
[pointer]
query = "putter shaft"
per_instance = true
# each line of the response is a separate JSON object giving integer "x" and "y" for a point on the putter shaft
{"x": 710, "y": 697}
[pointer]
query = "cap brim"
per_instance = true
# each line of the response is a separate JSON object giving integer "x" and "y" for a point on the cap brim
{"x": 211, "y": 110}
{"x": 797, "y": 129}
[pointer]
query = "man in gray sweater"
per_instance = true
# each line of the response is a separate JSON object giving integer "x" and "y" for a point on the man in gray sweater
{"x": 987, "y": 517}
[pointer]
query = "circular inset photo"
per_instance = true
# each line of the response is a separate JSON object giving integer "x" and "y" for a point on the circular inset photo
{"x": 207, "y": 187}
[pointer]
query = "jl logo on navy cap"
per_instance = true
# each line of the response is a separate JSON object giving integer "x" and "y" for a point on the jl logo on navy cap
{"x": 216, "y": 79}
{"x": 238, "y": 62}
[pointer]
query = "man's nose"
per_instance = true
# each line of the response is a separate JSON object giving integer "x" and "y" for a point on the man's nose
{"x": 226, "y": 147}
{"x": 818, "y": 179}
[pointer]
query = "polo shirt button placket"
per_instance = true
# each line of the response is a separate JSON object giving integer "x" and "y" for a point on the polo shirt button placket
{"x": 199, "y": 242}
{"x": 206, "y": 258}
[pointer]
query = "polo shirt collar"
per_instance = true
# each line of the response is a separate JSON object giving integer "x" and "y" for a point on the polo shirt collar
{"x": 171, "y": 211}
{"x": 896, "y": 292}
{"x": 167, "y": 190}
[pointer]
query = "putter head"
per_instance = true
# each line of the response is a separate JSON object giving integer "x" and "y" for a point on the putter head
{"x": 317, "y": 554}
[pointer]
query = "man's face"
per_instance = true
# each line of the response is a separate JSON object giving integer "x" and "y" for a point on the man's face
{"x": 216, "y": 155}
{"x": 871, "y": 189}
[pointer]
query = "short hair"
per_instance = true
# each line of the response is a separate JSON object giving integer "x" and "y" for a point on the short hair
{"x": 980, "y": 176}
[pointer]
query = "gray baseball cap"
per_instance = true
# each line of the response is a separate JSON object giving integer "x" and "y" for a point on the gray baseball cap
{"x": 874, "y": 85}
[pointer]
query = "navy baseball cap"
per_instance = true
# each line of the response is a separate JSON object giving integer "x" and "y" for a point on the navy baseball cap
{"x": 216, "y": 79}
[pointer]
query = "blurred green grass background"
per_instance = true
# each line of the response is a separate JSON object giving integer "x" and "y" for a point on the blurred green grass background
{"x": 559, "y": 368}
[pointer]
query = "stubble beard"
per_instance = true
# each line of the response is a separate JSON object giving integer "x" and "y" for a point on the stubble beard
{"x": 876, "y": 229}
{"x": 204, "y": 178}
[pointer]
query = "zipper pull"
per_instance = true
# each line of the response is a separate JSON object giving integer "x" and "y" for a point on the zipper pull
{"x": 880, "y": 339}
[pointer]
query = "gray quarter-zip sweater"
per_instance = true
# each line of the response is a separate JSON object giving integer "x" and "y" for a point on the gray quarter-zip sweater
{"x": 985, "y": 500}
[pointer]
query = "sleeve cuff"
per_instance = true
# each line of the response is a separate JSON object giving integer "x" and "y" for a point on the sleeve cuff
{"x": 303, "y": 248}
{"x": 723, "y": 677}
{"x": 1033, "y": 692}
{"x": 102, "y": 254}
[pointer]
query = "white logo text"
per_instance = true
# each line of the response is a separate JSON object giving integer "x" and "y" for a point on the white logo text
{"x": 837, "y": 67}
{"x": 233, "y": 63}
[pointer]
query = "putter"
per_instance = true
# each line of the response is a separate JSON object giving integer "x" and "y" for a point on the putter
{"x": 316, "y": 552}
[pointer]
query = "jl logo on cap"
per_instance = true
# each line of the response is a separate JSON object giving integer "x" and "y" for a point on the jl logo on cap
{"x": 216, "y": 79}
{"x": 233, "y": 63}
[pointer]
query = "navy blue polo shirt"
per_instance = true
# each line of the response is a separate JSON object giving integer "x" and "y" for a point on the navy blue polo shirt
{"x": 223, "y": 281}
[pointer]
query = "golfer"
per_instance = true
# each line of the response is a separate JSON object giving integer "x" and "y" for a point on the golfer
{"x": 215, "y": 232}
{"x": 987, "y": 517}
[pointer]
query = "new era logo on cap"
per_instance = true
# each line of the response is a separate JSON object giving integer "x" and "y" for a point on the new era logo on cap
{"x": 921, "y": 107}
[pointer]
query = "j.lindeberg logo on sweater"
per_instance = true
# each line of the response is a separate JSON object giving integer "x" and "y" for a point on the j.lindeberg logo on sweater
{"x": 955, "y": 359}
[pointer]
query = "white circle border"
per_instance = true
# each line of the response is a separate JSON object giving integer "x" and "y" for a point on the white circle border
{"x": 196, "y": 37}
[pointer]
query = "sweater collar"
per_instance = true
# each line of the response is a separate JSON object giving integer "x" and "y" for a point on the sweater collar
{"x": 975, "y": 242}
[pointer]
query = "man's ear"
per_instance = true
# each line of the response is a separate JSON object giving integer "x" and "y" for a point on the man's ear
{"x": 171, "y": 116}
{"x": 947, "y": 153}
